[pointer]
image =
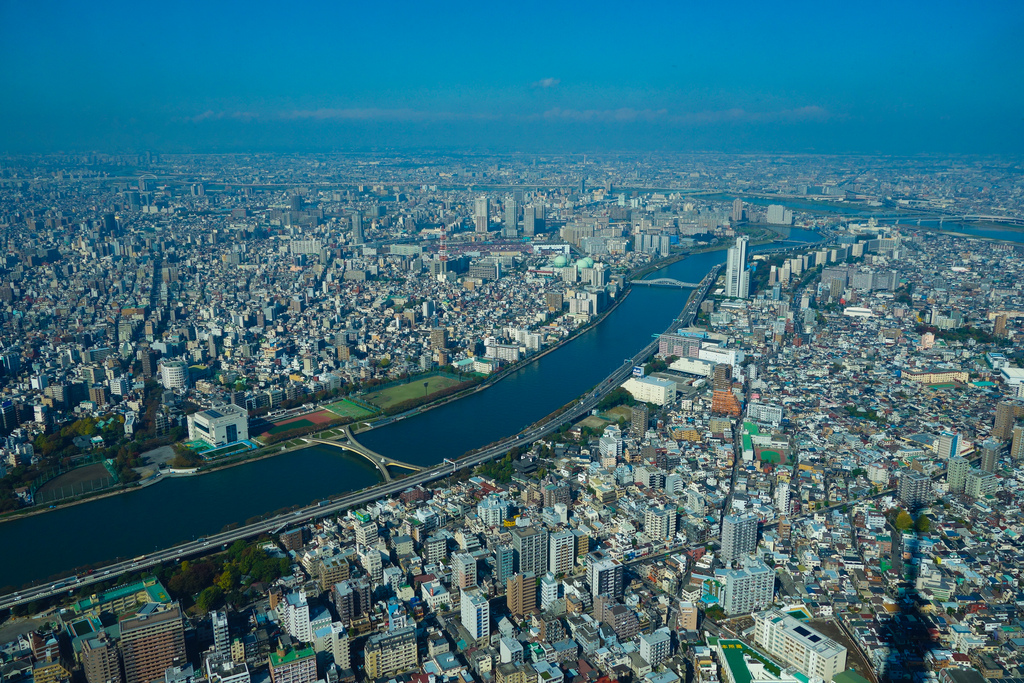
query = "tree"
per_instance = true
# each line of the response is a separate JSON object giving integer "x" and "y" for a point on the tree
{"x": 209, "y": 598}
{"x": 923, "y": 524}
{"x": 903, "y": 521}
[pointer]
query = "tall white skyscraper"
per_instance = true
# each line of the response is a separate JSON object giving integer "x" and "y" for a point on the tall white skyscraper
{"x": 782, "y": 498}
{"x": 481, "y": 210}
{"x": 737, "y": 278}
{"x": 739, "y": 536}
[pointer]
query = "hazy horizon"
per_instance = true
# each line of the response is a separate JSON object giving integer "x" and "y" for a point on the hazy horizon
{"x": 248, "y": 77}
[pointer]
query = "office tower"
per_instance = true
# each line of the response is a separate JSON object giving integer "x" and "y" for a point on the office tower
{"x": 562, "y": 551}
{"x": 464, "y": 566}
{"x": 660, "y": 523}
{"x": 793, "y": 642}
{"x": 101, "y": 660}
{"x": 638, "y": 423}
{"x": 1017, "y": 444}
{"x": 221, "y": 633}
{"x": 749, "y": 588}
{"x": 990, "y": 449}
{"x": 737, "y": 277}
{"x": 948, "y": 445}
{"x": 530, "y": 545}
{"x": 152, "y": 641}
{"x": 476, "y": 614}
{"x": 521, "y": 594}
{"x": 293, "y": 665}
{"x": 605, "y": 574}
{"x": 481, "y": 212}
{"x": 739, "y": 536}
{"x": 914, "y": 489}
{"x": 389, "y": 653}
{"x": 510, "y": 228}
{"x": 529, "y": 221}
{"x": 1007, "y": 412}
{"x": 656, "y": 647}
{"x": 148, "y": 358}
{"x": 504, "y": 564}
{"x": 548, "y": 590}
{"x": 956, "y": 474}
{"x": 782, "y": 498}
{"x": 357, "y": 228}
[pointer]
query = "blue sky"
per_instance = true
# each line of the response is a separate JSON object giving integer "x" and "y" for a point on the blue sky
{"x": 909, "y": 77}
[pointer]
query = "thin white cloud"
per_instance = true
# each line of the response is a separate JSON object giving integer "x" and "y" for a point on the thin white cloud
{"x": 623, "y": 115}
{"x": 546, "y": 83}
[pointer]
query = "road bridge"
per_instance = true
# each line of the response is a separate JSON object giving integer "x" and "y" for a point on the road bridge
{"x": 348, "y": 442}
{"x": 666, "y": 282}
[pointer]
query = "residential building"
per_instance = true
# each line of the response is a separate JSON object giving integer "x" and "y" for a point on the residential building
{"x": 797, "y": 644}
{"x": 152, "y": 641}
{"x": 386, "y": 654}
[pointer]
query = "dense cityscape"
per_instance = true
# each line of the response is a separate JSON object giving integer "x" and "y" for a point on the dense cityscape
{"x": 816, "y": 480}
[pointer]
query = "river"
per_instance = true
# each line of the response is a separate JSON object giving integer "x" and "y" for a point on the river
{"x": 180, "y": 509}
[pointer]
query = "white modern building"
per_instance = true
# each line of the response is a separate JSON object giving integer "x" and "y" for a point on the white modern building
{"x": 748, "y": 589}
{"x": 656, "y": 647}
{"x": 651, "y": 389}
{"x": 174, "y": 374}
{"x": 476, "y": 614}
{"x": 219, "y": 426}
{"x": 737, "y": 277}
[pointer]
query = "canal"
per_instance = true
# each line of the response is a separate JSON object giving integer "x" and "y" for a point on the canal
{"x": 180, "y": 509}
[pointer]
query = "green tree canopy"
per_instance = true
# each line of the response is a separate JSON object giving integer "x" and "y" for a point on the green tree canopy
{"x": 904, "y": 521}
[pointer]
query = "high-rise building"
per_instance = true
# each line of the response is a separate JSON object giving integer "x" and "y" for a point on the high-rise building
{"x": 476, "y": 614}
{"x": 915, "y": 489}
{"x": 782, "y": 497}
{"x": 562, "y": 551}
{"x": 521, "y": 594}
{"x": 504, "y": 564}
{"x": 980, "y": 484}
{"x": 439, "y": 338}
{"x": 152, "y": 641}
{"x": 529, "y": 221}
{"x": 638, "y": 423}
{"x": 656, "y": 647}
{"x": 386, "y": 654}
{"x": 795, "y": 643}
{"x": 739, "y": 536}
{"x": 531, "y": 549}
{"x": 737, "y": 210}
{"x": 1007, "y": 412}
{"x": 778, "y": 214}
{"x": 1000, "y": 325}
{"x": 101, "y": 660}
{"x": 660, "y": 523}
{"x": 1017, "y": 444}
{"x": 605, "y": 574}
{"x": 548, "y": 590}
{"x": 221, "y": 633}
{"x": 737, "y": 277}
{"x": 511, "y": 225}
{"x": 956, "y": 474}
{"x": 749, "y": 588}
{"x": 990, "y": 450}
{"x": 481, "y": 212}
{"x": 464, "y": 566}
{"x": 947, "y": 446}
{"x": 357, "y": 228}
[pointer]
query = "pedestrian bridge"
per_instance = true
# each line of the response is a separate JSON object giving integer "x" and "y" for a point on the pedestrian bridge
{"x": 666, "y": 282}
{"x": 348, "y": 442}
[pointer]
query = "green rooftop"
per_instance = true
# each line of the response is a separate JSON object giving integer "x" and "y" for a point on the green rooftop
{"x": 152, "y": 587}
{"x": 849, "y": 676}
{"x": 293, "y": 655}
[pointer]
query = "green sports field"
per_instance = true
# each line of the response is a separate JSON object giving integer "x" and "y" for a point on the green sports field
{"x": 414, "y": 389}
{"x": 346, "y": 408}
{"x": 288, "y": 426}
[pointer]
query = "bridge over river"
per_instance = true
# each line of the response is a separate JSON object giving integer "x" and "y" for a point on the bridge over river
{"x": 348, "y": 442}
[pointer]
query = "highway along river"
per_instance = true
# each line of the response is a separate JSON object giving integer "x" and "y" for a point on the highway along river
{"x": 181, "y": 509}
